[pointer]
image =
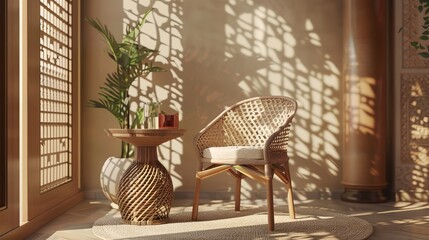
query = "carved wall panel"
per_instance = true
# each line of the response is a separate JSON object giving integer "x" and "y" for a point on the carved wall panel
{"x": 412, "y": 178}
{"x": 415, "y": 118}
{"x": 412, "y": 171}
{"x": 411, "y": 29}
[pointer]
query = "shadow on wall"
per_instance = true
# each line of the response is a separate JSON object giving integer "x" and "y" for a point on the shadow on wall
{"x": 219, "y": 52}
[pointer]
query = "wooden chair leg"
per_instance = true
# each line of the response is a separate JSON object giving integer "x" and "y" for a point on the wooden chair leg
{"x": 270, "y": 204}
{"x": 237, "y": 192}
{"x": 196, "y": 199}
{"x": 290, "y": 203}
{"x": 269, "y": 174}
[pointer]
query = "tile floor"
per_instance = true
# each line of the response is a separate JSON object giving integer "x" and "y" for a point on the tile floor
{"x": 392, "y": 221}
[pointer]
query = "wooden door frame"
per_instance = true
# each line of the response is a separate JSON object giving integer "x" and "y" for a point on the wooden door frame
{"x": 10, "y": 61}
{"x": 20, "y": 229}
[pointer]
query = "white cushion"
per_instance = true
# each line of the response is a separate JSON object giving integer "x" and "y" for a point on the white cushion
{"x": 234, "y": 152}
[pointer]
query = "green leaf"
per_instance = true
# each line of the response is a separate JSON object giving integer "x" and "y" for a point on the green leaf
{"x": 424, "y": 37}
{"x": 420, "y": 8}
{"x": 107, "y": 35}
{"x": 124, "y": 60}
{"x": 424, "y": 54}
{"x": 138, "y": 119}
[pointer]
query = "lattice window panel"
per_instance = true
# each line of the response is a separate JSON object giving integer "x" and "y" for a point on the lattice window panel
{"x": 55, "y": 93}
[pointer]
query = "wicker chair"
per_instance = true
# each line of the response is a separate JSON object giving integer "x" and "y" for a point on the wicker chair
{"x": 248, "y": 139}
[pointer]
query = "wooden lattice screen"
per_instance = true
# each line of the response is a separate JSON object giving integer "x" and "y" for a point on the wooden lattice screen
{"x": 55, "y": 93}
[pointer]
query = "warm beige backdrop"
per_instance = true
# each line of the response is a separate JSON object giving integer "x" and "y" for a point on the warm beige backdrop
{"x": 216, "y": 53}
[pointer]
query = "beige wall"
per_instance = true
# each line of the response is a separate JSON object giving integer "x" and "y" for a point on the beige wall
{"x": 216, "y": 53}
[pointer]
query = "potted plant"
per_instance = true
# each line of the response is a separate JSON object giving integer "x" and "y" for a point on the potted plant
{"x": 133, "y": 60}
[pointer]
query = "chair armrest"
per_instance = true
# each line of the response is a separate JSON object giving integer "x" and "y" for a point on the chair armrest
{"x": 275, "y": 149}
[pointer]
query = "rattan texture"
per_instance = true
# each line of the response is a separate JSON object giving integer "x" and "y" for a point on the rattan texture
{"x": 145, "y": 193}
{"x": 262, "y": 122}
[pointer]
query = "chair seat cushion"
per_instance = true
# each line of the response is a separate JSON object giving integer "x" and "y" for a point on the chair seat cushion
{"x": 234, "y": 152}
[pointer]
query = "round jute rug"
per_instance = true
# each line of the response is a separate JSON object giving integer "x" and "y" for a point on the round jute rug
{"x": 249, "y": 223}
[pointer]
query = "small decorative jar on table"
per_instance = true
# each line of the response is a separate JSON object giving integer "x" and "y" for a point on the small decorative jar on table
{"x": 145, "y": 190}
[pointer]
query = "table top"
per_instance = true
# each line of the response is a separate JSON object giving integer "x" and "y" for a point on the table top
{"x": 145, "y": 137}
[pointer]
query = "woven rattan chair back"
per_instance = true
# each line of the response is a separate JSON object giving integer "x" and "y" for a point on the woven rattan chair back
{"x": 251, "y": 123}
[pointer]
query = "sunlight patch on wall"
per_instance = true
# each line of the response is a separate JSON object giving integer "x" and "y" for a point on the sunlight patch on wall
{"x": 362, "y": 102}
{"x": 263, "y": 37}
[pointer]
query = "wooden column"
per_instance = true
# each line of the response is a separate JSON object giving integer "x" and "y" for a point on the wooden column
{"x": 365, "y": 71}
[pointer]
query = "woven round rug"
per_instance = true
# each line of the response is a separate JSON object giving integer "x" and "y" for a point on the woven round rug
{"x": 249, "y": 223}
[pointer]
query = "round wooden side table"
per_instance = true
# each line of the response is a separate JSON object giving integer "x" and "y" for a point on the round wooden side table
{"x": 145, "y": 190}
